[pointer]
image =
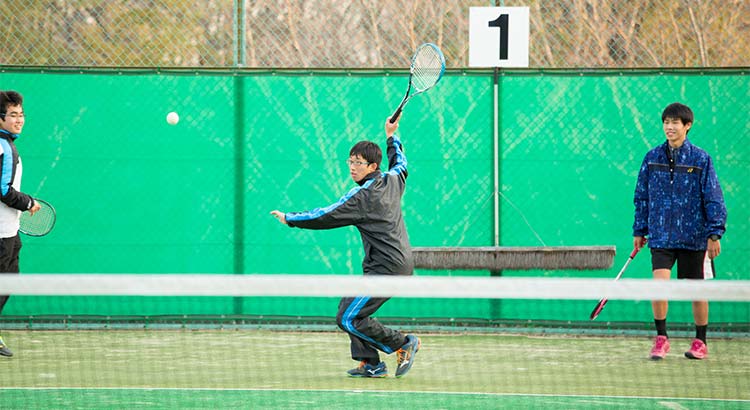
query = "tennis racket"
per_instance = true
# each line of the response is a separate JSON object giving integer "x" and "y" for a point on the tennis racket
{"x": 603, "y": 301}
{"x": 39, "y": 224}
{"x": 427, "y": 68}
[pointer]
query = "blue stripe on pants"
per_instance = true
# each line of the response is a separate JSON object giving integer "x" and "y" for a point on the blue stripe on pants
{"x": 351, "y": 313}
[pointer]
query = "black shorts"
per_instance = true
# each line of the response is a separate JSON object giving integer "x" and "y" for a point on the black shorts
{"x": 690, "y": 264}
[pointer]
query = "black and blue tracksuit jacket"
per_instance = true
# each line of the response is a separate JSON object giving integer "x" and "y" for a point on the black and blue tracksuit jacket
{"x": 678, "y": 199}
{"x": 374, "y": 208}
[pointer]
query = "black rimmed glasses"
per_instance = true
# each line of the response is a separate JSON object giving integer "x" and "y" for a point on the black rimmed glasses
{"x": 351, "y": 162}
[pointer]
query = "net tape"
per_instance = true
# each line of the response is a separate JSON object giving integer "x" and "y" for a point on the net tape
{"x": 378, "y": 286}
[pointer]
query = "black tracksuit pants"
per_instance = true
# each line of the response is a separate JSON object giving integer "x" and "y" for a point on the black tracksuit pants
{"x": 9, "y": 250}
{"x": 367, "y": 334}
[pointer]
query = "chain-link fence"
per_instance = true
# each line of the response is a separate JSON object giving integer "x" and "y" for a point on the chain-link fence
{"x": 365, "y": 33}
{"x": 135, "y": 194}
{"x": 195, "y": 197}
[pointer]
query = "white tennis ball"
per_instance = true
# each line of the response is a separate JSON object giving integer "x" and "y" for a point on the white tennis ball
{"x": 173, "y": 118}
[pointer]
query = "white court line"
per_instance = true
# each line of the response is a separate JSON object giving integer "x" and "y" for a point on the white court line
{"x": 581, "y": 396}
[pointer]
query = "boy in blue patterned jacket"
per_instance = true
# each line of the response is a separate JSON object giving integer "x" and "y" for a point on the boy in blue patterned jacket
{"x": 680, "y": 207}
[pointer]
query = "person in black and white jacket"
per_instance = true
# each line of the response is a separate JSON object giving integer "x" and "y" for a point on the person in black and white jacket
{"x": 13, "y": 200}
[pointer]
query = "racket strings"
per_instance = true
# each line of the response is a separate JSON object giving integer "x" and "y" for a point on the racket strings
{"x": 426, "y": 69}
{"x": 41, "y": 222}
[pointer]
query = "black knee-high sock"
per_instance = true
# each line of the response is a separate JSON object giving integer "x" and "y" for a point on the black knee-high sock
{"x": 661, "y": 327}
{"x": 700, "y": 332}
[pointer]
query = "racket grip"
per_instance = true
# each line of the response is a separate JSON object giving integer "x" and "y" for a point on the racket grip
{"x": 396, "y": 114}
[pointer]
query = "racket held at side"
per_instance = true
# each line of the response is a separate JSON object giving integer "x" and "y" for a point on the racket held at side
{"x": 39, "y": 224}
{"x": 599, "y": 306}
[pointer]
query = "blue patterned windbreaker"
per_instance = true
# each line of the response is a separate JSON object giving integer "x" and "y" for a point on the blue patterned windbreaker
{"x": 678, "y": 206}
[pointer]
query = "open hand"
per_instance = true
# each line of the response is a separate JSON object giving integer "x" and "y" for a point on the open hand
{"x": 713, "y": 249}
{"x": 279, "y": 215}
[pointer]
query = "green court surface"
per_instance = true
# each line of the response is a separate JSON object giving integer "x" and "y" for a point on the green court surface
{"x": 284, "y": 369}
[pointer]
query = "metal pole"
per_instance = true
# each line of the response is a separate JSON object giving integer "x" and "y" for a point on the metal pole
{"x": 239, "y": 149}
{"x": 496, "y": 304}
{"x": 242, "y": 46}
{"x": 495, "y": 158}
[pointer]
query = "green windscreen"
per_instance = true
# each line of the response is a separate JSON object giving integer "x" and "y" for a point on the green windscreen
{"x": 137, "y": 195}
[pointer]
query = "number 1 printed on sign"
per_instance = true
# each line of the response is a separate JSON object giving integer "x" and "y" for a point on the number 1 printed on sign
{"x": 502, "y": 23}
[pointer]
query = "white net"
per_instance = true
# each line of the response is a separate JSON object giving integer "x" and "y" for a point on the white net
{"x": 182, "y": 341}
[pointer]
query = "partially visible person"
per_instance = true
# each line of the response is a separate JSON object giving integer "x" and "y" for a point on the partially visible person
{"x": 13, "y": 201}
{"x": 679, "y": 207}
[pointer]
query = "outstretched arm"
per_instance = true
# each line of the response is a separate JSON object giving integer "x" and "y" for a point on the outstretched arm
{"x": 346, "y": 211}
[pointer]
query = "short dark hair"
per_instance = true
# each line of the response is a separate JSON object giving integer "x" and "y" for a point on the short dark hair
{"x": 368, "y": 150}
{"x": 677, "y": 110}
{"x": 7, "y": 99}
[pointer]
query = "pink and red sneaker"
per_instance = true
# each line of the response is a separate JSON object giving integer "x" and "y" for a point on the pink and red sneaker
{"x": 661, "y": 348}
{"x": 698, "y": 350}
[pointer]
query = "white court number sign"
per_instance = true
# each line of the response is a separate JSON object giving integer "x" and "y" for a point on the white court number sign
{"x": 498, "y": 37}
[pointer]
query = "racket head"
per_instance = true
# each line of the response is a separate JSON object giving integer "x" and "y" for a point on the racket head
{"x": 427, "y": 67}
{"x": 598, "y": 309}
{"x": 39, "y": 224}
